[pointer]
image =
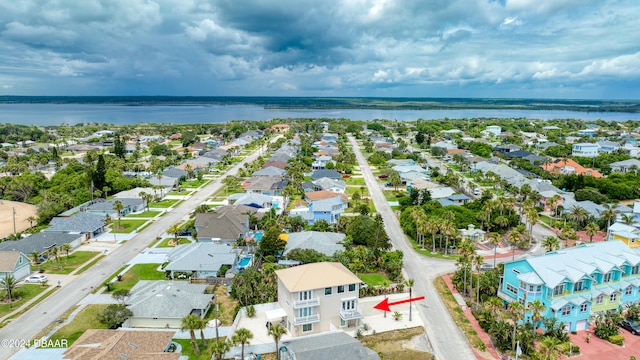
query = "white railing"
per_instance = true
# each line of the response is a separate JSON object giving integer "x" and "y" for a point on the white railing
{"x": 351, "y": 314}
{"x": 297, "y": 304}
{"x": 301, "y": 320}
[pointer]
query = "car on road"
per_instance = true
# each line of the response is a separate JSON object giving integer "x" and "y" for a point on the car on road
{"x": 383, "y": 176}
{"x": 486, "y": 266}
{"x": 35, "y": 279}
{"x": 476, "y": 191}
{"x": 631, "y": 326}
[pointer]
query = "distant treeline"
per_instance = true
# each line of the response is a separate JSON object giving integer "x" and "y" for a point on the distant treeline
{"x": 627, "y": 106}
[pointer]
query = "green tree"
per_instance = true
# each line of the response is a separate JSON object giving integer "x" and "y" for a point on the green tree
{"x": 119, "y": 147}
{"x": 592, "y": 229}
{"x": 98, "y": 175}
{"x": 515, "y": 311}
{"x": 114, "y": 315}
{"x": 550, "y": 348}
{"x": 495, "y": 239}
{"x": 219, "y": 348}
{"x": 409, "y": 283}
{"x": 175, "y": 229}
{"x": 121, "y": 295}
{"x": 276, "y": 331}
{"x": 551, "y": 243}
{"x": 242, "y": 337}
{"x": 9, "y": 285}
{"x": 66, "y": 247}
{"x": 271, "y": 244}
{"x": 118, "y": 206}
{"x": 191, "y": 322}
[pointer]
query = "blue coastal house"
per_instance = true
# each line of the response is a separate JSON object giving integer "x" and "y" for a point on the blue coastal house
{"x": 326, "y": 209}
{"x": 575, "y": 283}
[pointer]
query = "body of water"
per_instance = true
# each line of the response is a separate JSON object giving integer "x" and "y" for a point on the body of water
{"x": 70, "y": 114}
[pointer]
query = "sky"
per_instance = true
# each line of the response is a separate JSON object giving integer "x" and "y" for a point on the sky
{"x": 571, "y": 49}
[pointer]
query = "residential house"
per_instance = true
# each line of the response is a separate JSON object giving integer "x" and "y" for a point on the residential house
{"x": 587, "y": 132}
{"x": 88, "y": 224}
{"x": 275, "y": 163}
{"x": 459, "y": 199}
{"x": 200, "y": 260}
{"x": 630, "y": 235}
{"x": 592, "y": 208}
{"x": 441, "y": 192}
{"x": 607, "y": 146}
{"x": 327, "y": 209}
{"x": 320, "y": 162}
{"x": 569, "y": 166}
{"x": 636, "y": 211}
{"x": 506, "y": 148}
{"x": 584, "y": 149}
{"x": 408, "y": 168}
{"x": 445, "y": 145}
{"x": 265, "y": 185}
{"x": 544, "y": 199}
{"x": 270, "y": 171}
{"x": 518, "y": 154}
{"x": 625, "y": 166}
{"x": 15, "y": 264}
{"x": 473, "y": 234}
{"x": 323, "y": 242}
{"x": 225, "y": 225}
{"x": 336, "y": 186}
{"x": 41, "y": 242}
{"x": 329, "y": 137}
{"x": 331, "y": 174}
{"x": 163, "y": 303}
{"x": 494, "y": 130}
{"x": 575, "y": 283}
{"x": 255, "y": 200}
{"x": 105, "y": 207}
{"x": 96, "y": 344}
{"x": 330, "y": 345}
{"x": 319, "y": 297}
{"x": 544, "y": 146}
{"x": 401, "y": 162}
{"x": 280, "y": 128}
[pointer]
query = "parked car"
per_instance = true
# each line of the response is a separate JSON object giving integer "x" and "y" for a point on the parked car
{"x": 383, "y": 176}
{"x": 476, "y": 191}
{"x": 631, "y": 326}
{"x": 35, "y": 279}
{"x": 486, "y": 266}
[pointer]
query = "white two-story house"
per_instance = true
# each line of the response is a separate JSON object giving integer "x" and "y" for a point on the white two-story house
{"x": 319, "y": 297}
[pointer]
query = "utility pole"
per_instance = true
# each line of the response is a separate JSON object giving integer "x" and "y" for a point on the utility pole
{"x": 14, "y": 222}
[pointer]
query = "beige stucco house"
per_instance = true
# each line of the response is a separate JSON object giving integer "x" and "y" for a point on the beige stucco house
{"x": 319, "y": 297}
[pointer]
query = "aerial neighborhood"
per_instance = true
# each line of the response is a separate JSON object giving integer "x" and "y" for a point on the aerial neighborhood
{"x": 309, "y": 238}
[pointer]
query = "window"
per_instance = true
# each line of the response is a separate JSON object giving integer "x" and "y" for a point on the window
{"x": 606, "y": 277}
{"x": 566, "y": 310}
{"x": 583, "y": 307}
{"x": 304, "y": 312}
{"x": 613, "y": 297}
{"x": 516, "y": 271}
{"x": 600, "y": 299}
{"x": 635, "y": 269}
{"x": 523, "y": 285}
{"x": 521, "y": 301}
{"x": 628, "y": 290}
{"x": 349, "y": 305}
{"x": 579, "y": 286}
{"x": 342, "y": 323}
{"x": 340, "y": 289}
{"x": 538, "y": 288}
{"x": 307, "y": 327}
{"x": 352, "y": 287}
{"x": 558, "y": 290}
{"x": 327, "y": 291}
{"x": 305, "y": 295}
{"x": 512, "y": 289}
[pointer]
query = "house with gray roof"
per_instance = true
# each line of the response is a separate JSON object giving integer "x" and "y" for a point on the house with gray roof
{"x": 323, "y": 242}
{"x": 337, "y": 186}
{"x": 543, "y": 146}
{"x": 105, "y": 207}
{"x": 265, "y": 185}
{"x": 41, "y": 242}
{"x": 625, "y": 165}
{"x": 201, "y": 260}
{"x": 15, "y": 264}
{"x": 331, "y": 345}
{"x": 332, "y": 174}
{"x": 270, "y": 171}
{"x": 163, "y": 304}
{"x": 88, "y": 224}
{"x": 225, "y": 225}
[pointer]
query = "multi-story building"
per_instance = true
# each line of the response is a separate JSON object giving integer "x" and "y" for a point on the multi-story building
{"x": 319, "y": 297}
{"x": 585, "y": 149}
{"x": 575, "y": 283}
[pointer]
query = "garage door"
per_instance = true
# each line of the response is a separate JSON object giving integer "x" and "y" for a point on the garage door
{"x": 581, "y": 325}
{"x": 22, "y": 273}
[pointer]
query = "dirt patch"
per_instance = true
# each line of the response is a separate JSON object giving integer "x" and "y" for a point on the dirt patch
{"x": 227, "y": 305}
{"x": 398, "y": 344}
{"x": 22, "y": 212}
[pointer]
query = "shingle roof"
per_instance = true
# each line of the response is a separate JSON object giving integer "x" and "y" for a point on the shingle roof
{"x": 110, "y": 344}
{"x": 200, "y": 256}
{"x": 332, "y": 345}
{"x": 324, "y": 242}
{"x": 167, "y": 299}
{"x": 38, "y": 242}
{"x": 81, "y": 223}
{"x": 270, "y": 171}
{"x": 107, "y": 205}
{"x": 325, "y": 173}
{"x": 8, "y": 260}
{"x": 226, "y": 223}
{"x": 316, "y": 276}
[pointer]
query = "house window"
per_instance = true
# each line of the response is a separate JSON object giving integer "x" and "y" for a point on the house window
{"x": 613, "y": 297}
{"x": 635, "y": 269}
{"x": 516, "y": 271}
{"x": 558, "y": 290}
{"x": 538, "y": 288}
{"x": 566, "y": 310}
{"x": 521, "y": 301}
{"x": 628, "y": 290}
{"x": 327, "y": 291}
{"x": 606, "y": 277}
{"x": 305, "y": 295}
{"x": 523, "y": 285}
{"x": 307, "y": 327}
{"x": 304, "y": 312}
{"x": 532, "y": 288}
{"x": 579, "y": 286}
{"x": 352, "y": 287}
{"x": 583, "y": 307}
{"x": 349, "y": 305}
{"x": 340, "y": 289}
{"x": 600, "y": 299}
{"x": 342, "y": 323}
{"x": 512, "y": 289}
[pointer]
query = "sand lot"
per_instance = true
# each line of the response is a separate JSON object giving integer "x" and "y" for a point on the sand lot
{"x": 23, "y": 211}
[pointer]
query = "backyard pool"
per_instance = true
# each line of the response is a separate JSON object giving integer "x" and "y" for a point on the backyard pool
{"x": 245, "y": 262}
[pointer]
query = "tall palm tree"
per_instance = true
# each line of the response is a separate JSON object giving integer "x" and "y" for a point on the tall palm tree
{"x": 409, "y": 283}
{"x": 219, "y": 348}
{"x": 448, "y": 229}
{"x": 592, "y": 229}
{"x": 495, "y": 239}
{"x": 537, "y": 309}
{"x": 466, "y": 250}
{"x": 608, "y": 214}
{"x": 202, "y": 324}
{"x": 118, "y": 206}
{"x": 432, "y": 227}
{"x": 192, "y": 323}
{"x": 532, "y": 217}
{"x": 35, "y": 256}
{"x": 66, "y": 247}
{"x": 494, "y": 305}
{"x": 627, "y": 219}
{"x": 515, "y": 311}
{"x": 276, "y": 331}
{"x": 578, "y": 214}
{"x": 550, "y": 348}
{"x": 9, "y": 284}
{"x": 514, "y": 238}
{"x": 550, "y": 243}
{"x": 489, "y": 206}
{"x": 242, "y": 337}
{"x": 478, "y": 260}
{"x": 31, "y": 219}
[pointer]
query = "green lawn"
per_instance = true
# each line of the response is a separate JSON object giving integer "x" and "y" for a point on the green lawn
{"x": 136, "y": 273}
{"x": 193, "y": 183}
{"x": 165, "y": 242}
{"x": 68, "y": 264}
{"x": 354, "y": 181}
{"x": 144, "y": 214}
{"x": 88, "y": 265}
{"x": 391, "y": 195}
{"x": 180, "y": 193}
{"x": 374, "y": 279}
{"x": 352, "y": 208}
{"x": 126, "y": 226}
{"x": 25, "y": 293}
{"x": 205, "y": 353}
{"x": 165, "y": 203}
{"x": 86, "y": 319}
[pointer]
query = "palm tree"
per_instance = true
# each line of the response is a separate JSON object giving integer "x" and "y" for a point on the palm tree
{"x": 537, "y": 309}
{"x": 627, "y": 219}
{"x": 478, "y": 260}
{"x": 448, "y": 229}
{"x": 202, "y": 324}
{"x": 219, "y": 348}
{"x": 66, "y": 247}
{"x": 495, "y": 239}
{"x": 551, "y": 243}
{"x": 591, "y": 230}
{"x": 550, "y": 348}
{"x": 514, "y": 238}
{"x": 409, "y": 283}
{"x": 31, "y": 219}
{"x": 242, "y": 337}
{"x": 9, "y": 284}
{"x": 432, "y": 227}
{"x": 532, "y": 218}
{"x": 35, "y": 256}
{"x": 578, "y": 215}
{"x": 466, "y": 250}
{"x": 201, "y": 209}
{"x": 494, "y": 305}
{"x": 276, "y": 331}
{"x": 175, "y": 230}
{"x": 608, "y": 214}
{"x": 191, "y": 322}
{"x": 118, "y": 206}
{"x": 515, "y": 311}
{"x": 489, "y": 206}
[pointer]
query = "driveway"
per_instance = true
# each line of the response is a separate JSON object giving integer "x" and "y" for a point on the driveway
{"x": 446, "y": 339}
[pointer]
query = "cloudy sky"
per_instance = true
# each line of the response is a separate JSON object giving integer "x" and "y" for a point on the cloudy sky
{"x": 418, "y": 48}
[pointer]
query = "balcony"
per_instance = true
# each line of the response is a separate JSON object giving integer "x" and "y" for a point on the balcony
{"x": 506, "y": 297}
{"x": 303, "y": 320}
{"x": 298, "y": 304}
{"x": 351, "y": 314}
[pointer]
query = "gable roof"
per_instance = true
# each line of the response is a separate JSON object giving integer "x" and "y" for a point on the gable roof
{"x": 559, "y": 163}
{"x": 82, "y": 222}
{"x": 275, "y": 163}
{"x": 325, "y": 204}
{"x": 331, "y": 345}
{"x": 202, "y": 256}
{"x": 326, "y": 183}
{"x": 270, "y": 171}
{"x": 167, "y": 299}
{"x": 261, "y": 183}
{"x": 107, "y": 205}
{"x": 226, "y": 223}
{"x": 8, "y": 260}
{"x": 324, "y": 242}
{"x": 316, "y": 276}
{"x": 322, "y": 195}
{"x": 110, "y": 344}
{"x": 332, "y": 174}
{"x": 38, "y": 242}
{"x": 251, "y": 199}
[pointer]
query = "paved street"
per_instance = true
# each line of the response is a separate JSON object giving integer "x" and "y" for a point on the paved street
{"x": 49, "y": 310}
{"x": 447, "y": 340}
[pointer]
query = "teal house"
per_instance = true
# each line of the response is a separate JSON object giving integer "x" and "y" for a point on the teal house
{"x": 575, "y": 283}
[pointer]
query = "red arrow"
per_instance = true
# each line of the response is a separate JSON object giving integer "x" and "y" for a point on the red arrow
{"x": 384, "y": 304}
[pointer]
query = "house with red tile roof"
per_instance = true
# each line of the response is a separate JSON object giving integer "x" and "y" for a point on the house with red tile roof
{"x": 569, "y": 166}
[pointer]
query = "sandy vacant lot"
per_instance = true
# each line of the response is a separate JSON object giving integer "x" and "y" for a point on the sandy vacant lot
{"x": 23, "y": 211}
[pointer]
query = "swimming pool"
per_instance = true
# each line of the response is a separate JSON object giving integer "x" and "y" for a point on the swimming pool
{"x": 245, "y": 262}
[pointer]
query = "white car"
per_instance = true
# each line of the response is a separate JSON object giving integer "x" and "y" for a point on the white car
{"x": 36, "y": 279}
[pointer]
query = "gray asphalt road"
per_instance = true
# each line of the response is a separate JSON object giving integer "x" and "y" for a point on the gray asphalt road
{"x": 446, "y": 338}
{"x": 49, "y": 310}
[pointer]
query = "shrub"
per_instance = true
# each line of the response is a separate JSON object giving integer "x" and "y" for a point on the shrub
{"x": 616, "y": 339}
{"x": 251, "y": 311}
{"x": 568, "y": 347}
